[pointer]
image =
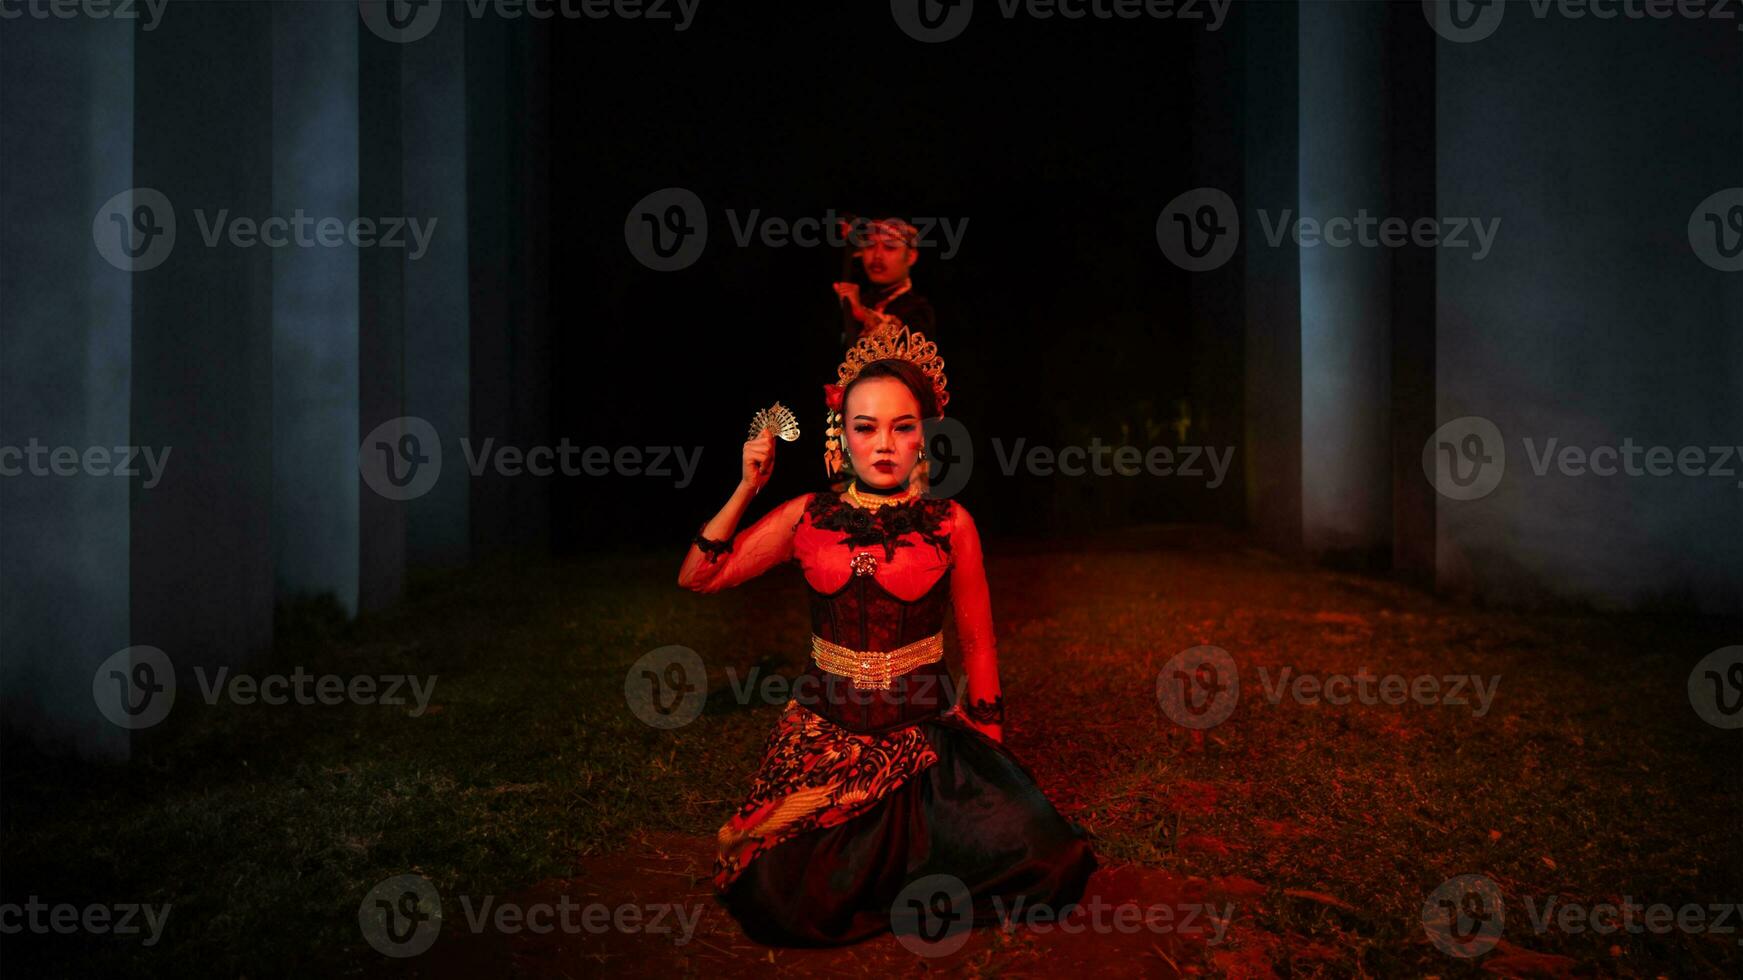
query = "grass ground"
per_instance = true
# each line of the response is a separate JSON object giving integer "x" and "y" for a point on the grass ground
{"x": 1588, "y": 779}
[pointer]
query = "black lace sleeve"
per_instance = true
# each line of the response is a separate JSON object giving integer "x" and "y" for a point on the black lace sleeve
{"x": 986, "y": 712}
{"x": 710, "y": 547}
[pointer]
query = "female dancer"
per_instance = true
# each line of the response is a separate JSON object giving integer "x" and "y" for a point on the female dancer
{"x": 871, "y": 779}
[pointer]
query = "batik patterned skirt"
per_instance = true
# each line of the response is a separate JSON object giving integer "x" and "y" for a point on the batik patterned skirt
{"x": 837, "y": 823}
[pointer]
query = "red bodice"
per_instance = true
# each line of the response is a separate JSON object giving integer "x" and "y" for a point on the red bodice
{"x": 877, "y": 580}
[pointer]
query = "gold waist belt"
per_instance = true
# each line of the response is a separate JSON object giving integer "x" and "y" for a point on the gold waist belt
{"x": 876, "y": 669}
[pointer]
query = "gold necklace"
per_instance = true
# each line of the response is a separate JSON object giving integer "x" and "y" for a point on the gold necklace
{"x": 874, "y": 502}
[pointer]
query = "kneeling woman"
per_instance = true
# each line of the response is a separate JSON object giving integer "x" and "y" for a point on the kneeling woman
{"x": 872, "y": 779}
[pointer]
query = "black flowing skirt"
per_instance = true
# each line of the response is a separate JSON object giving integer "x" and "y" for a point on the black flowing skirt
{"x": 976, "y": 814}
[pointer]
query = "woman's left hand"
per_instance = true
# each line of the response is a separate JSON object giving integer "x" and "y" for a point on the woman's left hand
{"x": 994, "y": 732}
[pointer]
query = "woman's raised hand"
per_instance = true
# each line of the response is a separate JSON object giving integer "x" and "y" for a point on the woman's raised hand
{"x": 759, "y": 460}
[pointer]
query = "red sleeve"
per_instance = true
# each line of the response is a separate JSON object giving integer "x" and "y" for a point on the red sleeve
{"x": 755, "y": 550}
{"x": 974, "y": 614}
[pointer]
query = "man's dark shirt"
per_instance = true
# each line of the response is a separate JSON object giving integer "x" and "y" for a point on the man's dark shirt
{"x": 911, "y": 308}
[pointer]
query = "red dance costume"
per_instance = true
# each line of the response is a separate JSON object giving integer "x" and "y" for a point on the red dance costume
{"x": 863, "y": 789}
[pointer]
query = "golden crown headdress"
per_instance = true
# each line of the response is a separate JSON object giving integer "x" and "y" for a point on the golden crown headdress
{"x": 898, "y": 343}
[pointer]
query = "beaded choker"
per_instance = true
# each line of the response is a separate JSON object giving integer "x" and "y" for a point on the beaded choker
{"x": 874, "y": 501}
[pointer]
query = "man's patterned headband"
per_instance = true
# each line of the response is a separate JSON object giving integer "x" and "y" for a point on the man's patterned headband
{"x": 870, "y": 231}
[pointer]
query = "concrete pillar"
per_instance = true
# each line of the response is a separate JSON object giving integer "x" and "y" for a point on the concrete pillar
{"x": 438, "y": 361}
{"x": 202, "y": 575}
{"x": 315, "y": 302}
{"x": 381, "y": 353}
{"x": 1346, "y": 304}
{"x": 1272, "y": 281}
{"x": 1410, "y": 52}
{"x": 66, "y": 149}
